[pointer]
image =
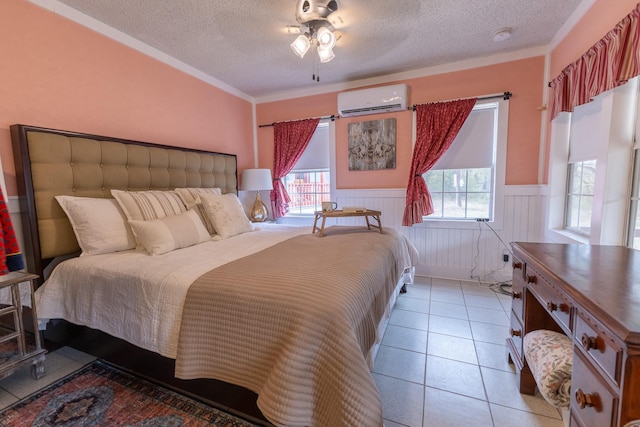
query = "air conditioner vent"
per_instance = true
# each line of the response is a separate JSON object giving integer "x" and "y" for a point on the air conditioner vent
{"x": 375, "y": 100}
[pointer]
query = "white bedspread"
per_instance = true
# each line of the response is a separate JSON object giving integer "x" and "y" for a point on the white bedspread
{"x": 146, "y": 292}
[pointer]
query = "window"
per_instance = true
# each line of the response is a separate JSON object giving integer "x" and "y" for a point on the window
{"x": 633, "y": 240}
{"x": 309, "y": 183}
{"x": 590, "y": 170}
{"x": 580, "y": 191}
{"x": 587, "y": 129}
{"x": 462, "y": 182}
{"x": 460, "y": 193}
{"x": 307, "y": 190}
{"x": 633, "y": 228}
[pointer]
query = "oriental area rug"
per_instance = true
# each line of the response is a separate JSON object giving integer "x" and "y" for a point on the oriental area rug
{"x": 102, "y": 395}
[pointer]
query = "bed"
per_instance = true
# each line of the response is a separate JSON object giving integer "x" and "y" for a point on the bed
{"x": 270, "y": 309}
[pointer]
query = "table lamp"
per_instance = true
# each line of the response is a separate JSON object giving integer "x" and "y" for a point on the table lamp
{"x": 257, "y": 180}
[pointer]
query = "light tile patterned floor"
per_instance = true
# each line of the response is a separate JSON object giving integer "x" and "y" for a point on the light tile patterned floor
{"x": 441, "y": 363}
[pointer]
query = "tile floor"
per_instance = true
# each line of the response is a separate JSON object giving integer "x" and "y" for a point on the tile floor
{"x": 441, "y": 363}
{"x": 58, "y": 364}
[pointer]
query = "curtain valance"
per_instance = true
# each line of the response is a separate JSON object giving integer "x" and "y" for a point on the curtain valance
{"x": 607, "y": 64}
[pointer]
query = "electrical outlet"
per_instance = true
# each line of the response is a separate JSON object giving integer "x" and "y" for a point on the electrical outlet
{"x": 505, "y": 255}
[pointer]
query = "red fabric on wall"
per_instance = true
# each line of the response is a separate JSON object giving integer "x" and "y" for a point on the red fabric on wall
{"x": 609, "y": 63}
{"x": 10, "y": 255}
{"x": 437, "y": 126}
{"x": 290, "y": 141}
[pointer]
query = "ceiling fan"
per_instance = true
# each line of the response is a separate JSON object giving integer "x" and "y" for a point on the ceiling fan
{"x": 315, "y": 28}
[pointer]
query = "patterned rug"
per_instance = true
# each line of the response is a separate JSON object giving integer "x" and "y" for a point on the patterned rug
{"x": 101, "y": 395}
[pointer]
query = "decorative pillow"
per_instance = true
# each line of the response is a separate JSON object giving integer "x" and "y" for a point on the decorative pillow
{"x": 550, "y": 358}
{"x": 191, "y": 198}
{"x": 149, "y": 205}
{"x": 166, "y": 234}
{"x": 226, "y": 214}
{"x": 100, "y": 225}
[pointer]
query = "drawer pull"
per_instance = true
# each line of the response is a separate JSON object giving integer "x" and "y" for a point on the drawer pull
{"x": 516, "y": 295}
{"x": 515, "y": 332}
{"x": 589, "y": 343}
{"x": 516, "y": 265}
{"x": 531, "y": 278}
{"x": 551, "y": 306}
{"x": 585, "y": 400}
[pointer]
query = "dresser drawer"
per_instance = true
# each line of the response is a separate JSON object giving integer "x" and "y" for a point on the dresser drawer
{"x": 517, "y": 265}
{"x": 593, "y": 404}
{"x": 598, "y": 347}
{"x": 516, "y": 333}
{"x": 559, "y": 306}
{"x": 517, "y": 298}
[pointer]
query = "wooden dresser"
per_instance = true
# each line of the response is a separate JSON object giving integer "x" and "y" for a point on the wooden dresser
{"x": 592, "y": 294}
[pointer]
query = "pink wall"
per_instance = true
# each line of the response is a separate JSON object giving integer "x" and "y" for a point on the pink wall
{"x": 601, "y": 18}
{"x": 523, "y": 78}
{"x": 598, "y": 21}
{"x": 56, "y": 73}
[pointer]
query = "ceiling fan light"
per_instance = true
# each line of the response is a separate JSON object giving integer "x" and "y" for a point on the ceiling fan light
{"x": 301, "y": 45}
{"x": 326, "y": 38}
{"x": 325, "y": 55}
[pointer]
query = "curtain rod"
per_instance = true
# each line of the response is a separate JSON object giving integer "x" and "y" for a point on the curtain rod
{"x": 505, "y": 96}
{"x": 331, "y": 117}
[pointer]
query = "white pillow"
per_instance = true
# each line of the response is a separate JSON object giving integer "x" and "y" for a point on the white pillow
{"x": 149, "y": 205}
{"x": 191, "y": 198}
{"x": 226, "y": 214}
{"x": 163, "y": 235}
{"x": 100, "y": 225}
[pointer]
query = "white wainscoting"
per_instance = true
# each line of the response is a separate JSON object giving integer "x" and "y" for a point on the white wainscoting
{"x": 450, "y": 249}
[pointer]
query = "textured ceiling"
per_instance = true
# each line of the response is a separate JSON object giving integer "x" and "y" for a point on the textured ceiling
{"x": 244, "y": 43}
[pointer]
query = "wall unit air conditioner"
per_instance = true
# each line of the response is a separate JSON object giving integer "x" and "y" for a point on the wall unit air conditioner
{"x": 375, "y": 100}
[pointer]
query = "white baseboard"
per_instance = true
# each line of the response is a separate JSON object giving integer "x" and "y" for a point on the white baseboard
{"x": 464, "y": 274}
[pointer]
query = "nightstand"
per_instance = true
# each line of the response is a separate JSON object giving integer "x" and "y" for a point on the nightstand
{"x": 15, "y": 350}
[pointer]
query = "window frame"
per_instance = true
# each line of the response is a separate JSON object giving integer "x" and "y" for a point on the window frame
{"x": 634, "y": 200}
{"x": 331, "y": 169}
{"x": 580, "y": 195}
{"x": 318, "y": 206}
{"x": 465, "y": 193}
{"x": 634, "y": 196}
{"x": 499, "y": 174}
{"x": 610, "y": 213}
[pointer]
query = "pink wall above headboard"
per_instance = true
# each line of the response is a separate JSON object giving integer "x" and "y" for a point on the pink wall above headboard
{"x": 58, "y": 74}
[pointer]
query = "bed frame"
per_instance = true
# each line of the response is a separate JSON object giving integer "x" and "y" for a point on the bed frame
{"x": 52, "y": 162}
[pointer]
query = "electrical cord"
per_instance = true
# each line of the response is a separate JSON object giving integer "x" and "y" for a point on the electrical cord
{"x": 503, "y": 287}
{"x": 501, "y": 241}
{"x": 475, "y": 258}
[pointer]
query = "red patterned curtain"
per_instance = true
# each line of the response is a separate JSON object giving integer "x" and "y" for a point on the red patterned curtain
{"x": 437, "y": 126}
{"x": 607, "y": 64}
{"x": 290, "y": 141}
{"x": 10, "y": 255}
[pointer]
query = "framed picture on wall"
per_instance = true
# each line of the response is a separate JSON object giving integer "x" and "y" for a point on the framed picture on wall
{"x": 372, "y": 145}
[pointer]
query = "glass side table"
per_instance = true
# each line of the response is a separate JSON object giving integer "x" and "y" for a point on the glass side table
{"x": 15, "y": 349}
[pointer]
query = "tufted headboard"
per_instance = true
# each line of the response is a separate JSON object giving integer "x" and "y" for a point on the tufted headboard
{"x": 52, "y": 162}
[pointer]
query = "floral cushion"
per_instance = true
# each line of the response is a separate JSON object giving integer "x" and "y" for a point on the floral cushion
{"x": 550, "y": 357}
{"x": 226, "y": 214}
